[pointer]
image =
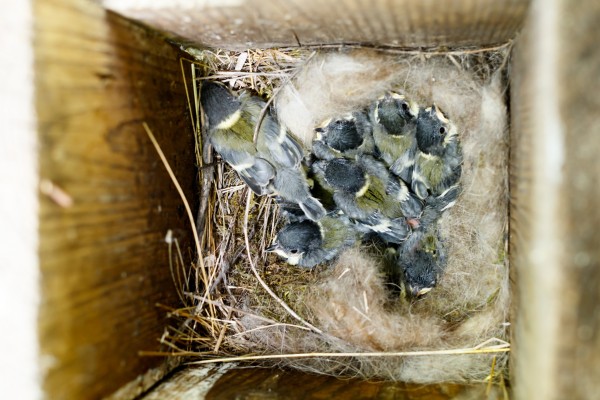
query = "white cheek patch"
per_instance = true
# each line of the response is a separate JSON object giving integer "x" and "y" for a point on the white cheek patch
{"x": 363, "y": 189}
{"x": 292, "y": 259}
{"x": 230, "y": 121}
{"x": 452, "y": 133}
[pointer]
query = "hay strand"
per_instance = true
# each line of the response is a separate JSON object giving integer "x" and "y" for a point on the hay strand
{"x": 261, "y": 281}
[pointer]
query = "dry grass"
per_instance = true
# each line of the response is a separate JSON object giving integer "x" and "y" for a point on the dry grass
{"x": 222, "y": 289}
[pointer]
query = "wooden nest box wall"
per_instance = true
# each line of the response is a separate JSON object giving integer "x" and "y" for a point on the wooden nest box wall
{"x": 86, "y": 222}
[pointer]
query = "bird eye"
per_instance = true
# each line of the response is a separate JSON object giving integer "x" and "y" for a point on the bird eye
{"x": 338, "y": 122}
{"x": 294, "y": 251}
{"x": 405, "y": 106}
{"x": 442, "y": 130}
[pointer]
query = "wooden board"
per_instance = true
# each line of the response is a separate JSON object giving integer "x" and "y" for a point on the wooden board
{"x": 223, "y": 382}
{"x": 242, "y": 24}
{"x": 108, "y": 201}
{"x": 554, "y": 214}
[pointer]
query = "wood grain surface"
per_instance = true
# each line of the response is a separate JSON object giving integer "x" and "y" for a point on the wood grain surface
{"x": 242, "y": 24}
{"x": 104, "y": 263}
{"x": 223, "y": 382}
{"x": 555, "y": 252}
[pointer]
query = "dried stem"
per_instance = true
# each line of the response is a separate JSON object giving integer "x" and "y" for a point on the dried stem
{"x": 257, "y": 275}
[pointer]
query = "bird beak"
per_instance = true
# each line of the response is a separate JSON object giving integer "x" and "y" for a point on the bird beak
{"x": 433, "y": 110}
{"x": 414, "y": 108}
{"x": 416, "y": 292}
{"x": 272, "y": 248}
{"x": 439, "y": 114}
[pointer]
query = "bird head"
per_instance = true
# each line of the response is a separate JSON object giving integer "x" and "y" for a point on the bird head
{"x": 341, "y": 133}
{"x": 434, "y": 131}
{"x": 422, "y": 258}
{"x": 396, "y": 113}
{"x": 221, "y": 107}
{"x": 345, "y": 175}
{"x": 297, "y": 239}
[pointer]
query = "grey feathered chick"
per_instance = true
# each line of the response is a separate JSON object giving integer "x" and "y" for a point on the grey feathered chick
{"x": 439, "y": 157}
{"x": 344, "y": 136}
{"x": 394, "y": 120}
{"x": 308, "y": 243}
{"x": 272, "y": 165}
{"x": 366, "y": 198}
{"x": 422, "y": 258}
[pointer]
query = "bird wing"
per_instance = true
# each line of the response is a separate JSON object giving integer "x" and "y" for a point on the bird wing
{"x": 241, "y": 155}
{"x": 277, "y": 145}
{"x": 373, "y": 167}
{"x": 323, "y": 152}
{"x": 258, "y": 176}
{"x": 403, "y": 165}
{"x": 286, "y": 150}
{"x": 347, "y": 203}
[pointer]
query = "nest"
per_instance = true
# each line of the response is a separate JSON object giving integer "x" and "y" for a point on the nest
{"x": 241, "y": 303}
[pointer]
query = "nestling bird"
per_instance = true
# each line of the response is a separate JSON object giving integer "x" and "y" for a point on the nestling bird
{"x": 272, "y": 165}
{"x": 344, "y": 136}
{"x": 422, "y": 258}
{"x": 394, "y": 120}
{"x": 308, "y": 243}
{"x": 376, "y": 204}
{"x": 439, "y": 157}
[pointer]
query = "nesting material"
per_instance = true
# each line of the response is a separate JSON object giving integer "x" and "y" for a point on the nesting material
{"x": 351, "y": 303}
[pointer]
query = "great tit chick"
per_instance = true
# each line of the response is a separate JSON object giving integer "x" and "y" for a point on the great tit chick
{"x": 272, "y": 166}
{"x": 308, "y": 243}
{"x": 230, "y": 131}
{"x": 364, "y": 198}
{"x": 439, "y": 157}
{"x": 394, "y": 120}
{"x": 345, "y": 136}
{"x": 422, "y": 258}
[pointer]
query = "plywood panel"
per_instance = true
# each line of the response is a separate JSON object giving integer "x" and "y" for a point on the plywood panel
{"x": 554, "y": 214}
{"x": 104, "y": 262}
{"x": 579, "y": 108}
{"x": 241, "y": 24}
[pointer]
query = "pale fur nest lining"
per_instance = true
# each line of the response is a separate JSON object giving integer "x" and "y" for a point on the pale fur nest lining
{"x": 349, "y": 301}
